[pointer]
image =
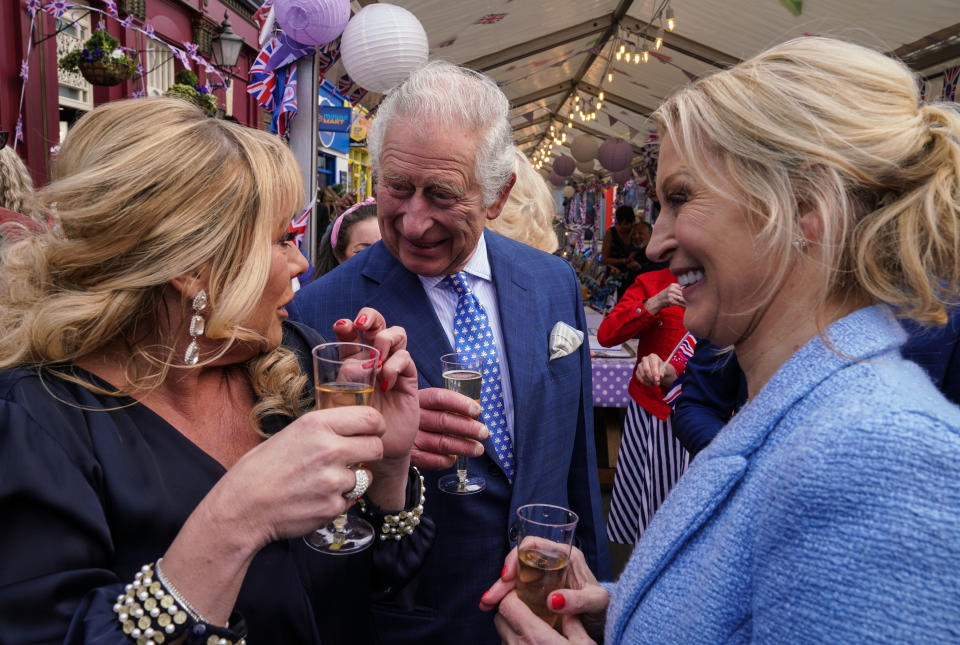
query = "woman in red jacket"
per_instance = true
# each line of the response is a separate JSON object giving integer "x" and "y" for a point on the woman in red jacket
{"x": 651, "y": 459}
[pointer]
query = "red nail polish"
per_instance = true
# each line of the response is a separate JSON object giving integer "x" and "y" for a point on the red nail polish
{"x": 557, "y": 602}
{"x": 504, "y": 571}
{"x": 379, "y": 363}
{"x": 383, "y": 385}
{"x": 367, "y": 364}
{"x": 362, "y": 318}
{"x": 341, "y": 322}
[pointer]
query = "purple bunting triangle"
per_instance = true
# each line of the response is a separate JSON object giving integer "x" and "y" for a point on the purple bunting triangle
{"x": 612, "y": 119}
{"x": 528, "y": 116}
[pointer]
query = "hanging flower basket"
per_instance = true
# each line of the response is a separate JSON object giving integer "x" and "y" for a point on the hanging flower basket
{"x": 97, "y": 72}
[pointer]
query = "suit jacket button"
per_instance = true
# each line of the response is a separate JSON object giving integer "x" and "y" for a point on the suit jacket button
{"x": 512, "y": 533}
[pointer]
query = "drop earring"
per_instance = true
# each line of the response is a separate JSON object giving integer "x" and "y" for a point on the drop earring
{"x": 197, "y": 324}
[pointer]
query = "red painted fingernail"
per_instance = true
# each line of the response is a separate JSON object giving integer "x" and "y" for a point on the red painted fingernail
{"x": 379, "y": 363}
{"x": 504, "y": 572}
{"x": 383, "y": 385}
{"x": 557, "y": 602}
{"x": 341, "y": 322}
{"x": 362, "y": 318}
{"x": 367, "y": 364}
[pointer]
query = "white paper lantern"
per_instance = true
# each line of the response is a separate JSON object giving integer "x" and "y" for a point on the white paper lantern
{"x": 586, "y": 167}
{"x": 568, "y": 191}
{"x": 381, "y": 45}
{"x": 584, "y": 148}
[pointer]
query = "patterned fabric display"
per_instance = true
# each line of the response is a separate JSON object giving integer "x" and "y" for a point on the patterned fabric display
{"x": 473, "y": 335}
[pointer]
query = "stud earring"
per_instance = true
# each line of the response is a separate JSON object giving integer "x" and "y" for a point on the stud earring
{"x": 800, "y": 244}
{"x": 197, "y": 324}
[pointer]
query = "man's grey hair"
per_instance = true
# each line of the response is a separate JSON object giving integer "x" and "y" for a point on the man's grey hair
{"x": 441, "y": 95}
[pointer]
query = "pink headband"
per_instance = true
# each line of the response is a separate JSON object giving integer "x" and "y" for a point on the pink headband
{"x": 337, "y": 222}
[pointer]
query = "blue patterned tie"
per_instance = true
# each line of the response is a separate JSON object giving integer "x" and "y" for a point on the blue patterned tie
{"x": 473, "y": 335}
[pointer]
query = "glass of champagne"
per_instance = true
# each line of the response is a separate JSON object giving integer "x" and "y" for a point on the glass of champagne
{"x": 544, "y": 537}
{"x": 343, "y": 374}
{"x": 462, "y": 373}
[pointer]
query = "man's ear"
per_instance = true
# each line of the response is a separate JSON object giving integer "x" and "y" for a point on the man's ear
{"x": 493, "y": 212}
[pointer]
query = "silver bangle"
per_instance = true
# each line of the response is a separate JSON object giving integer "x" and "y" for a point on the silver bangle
{"x": 177, "y": 596}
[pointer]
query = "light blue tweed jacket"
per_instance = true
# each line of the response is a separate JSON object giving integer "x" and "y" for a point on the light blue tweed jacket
{"x": 826, "y": 511}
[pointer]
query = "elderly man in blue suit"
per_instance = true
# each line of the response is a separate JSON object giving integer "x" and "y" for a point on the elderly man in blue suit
{"x": 442, "y": 152}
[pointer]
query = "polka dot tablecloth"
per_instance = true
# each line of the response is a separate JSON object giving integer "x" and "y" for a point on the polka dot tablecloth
{"x": 611, "y": 376}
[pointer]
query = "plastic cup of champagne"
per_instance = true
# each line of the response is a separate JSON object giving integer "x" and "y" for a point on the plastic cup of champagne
{"x": 344, "y": 374}
{"x": 462, "y": 373}
{"x": 544, "y": 537}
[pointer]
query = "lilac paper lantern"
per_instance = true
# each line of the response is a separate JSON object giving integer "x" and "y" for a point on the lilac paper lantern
{"x": 615, "y": 154}
{"x": 312, "y": 22}
{"x": 564, "y": 165}
{"x": 556, "y": 179}
{"x": 622, "y": 176}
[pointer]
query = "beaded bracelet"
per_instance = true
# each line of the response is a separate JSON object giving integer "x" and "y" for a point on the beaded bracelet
{"x": 397, "y": 525}
{"x": 152, "y": 611}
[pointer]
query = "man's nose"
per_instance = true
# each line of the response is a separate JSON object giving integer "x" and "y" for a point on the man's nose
{"x": 417, "y": 218}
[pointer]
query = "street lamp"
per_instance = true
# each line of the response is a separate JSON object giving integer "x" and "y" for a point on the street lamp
{"x": 227, "y": 45}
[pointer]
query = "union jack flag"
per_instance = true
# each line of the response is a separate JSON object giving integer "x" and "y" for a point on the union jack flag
{"x": 950, "y": 83}
{"x": 191, "y": 50}
{"x": 490, "y": 18}
{"x": 139, "y": 94}
{"x": 326, "y": 57}
{"x": 922, "y": 89}
{"x": 101, "y": 24}
{"x": 111, "y": 6}
{"x": 58, "y": 7}
{"x": 679, "y": 357}
{"x": 180, "y": 55}
{"x": 33, "y": 6}
{"x": 260, "y": 15}
{"x": 287, "y": 105}
{"x": 357, "y": 94}
{"x": 140, "y": 69}
{"x": 149, "y": 30}
{"x": 262, "y": 83}
{"x": 343, "y": 85}
{"x": 127, "y": 22}
{"x": 24, "y": 70}
{"x": 298, "y": 224}
{"x": 18, "y": 132}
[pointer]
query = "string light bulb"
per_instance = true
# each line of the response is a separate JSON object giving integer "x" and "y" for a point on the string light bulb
{"x": 636, "y": 58}
{"x": 646, "y": 56}
{"x": 671, "y": 21}
{"x": 600, "y": 96}
{"x": 599, "y": 105}
{"x": 658, "y": 43}
{"x": 609, "y": 77}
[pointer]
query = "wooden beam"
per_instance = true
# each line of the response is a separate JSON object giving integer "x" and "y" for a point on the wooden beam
{"x": 559, "y": 88}
{"x": 538, "y": 45}
{"x": 608, "y": 97}
{"x": 527, "y": 124}
{"x": 931, "y": 50}
{"x": 678, "y": 43}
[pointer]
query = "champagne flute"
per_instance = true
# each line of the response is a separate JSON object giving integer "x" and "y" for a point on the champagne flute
{"x": 462, "y": 373}
{"x": 343, "y": 374}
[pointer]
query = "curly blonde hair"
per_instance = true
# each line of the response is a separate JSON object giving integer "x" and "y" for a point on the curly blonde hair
{"x": 822, "y": 125}
{"x": 16, "y": 187}
{"x": 148, "y": 190}
{"x": 527, "y": 215}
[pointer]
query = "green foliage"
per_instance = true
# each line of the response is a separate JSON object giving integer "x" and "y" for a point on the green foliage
{"x": 206, "y": 102}
{"x": 103, "y": 47}
{"x": 186, "y": 77}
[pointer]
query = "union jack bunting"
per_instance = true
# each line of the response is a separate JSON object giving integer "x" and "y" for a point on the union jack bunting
{"x": 24, "y": 70}
{"x": 260, "y": 15}
{"x": 101, "y": 24}
{"x": 922, "y": 89}
{"x": 33, "y": 6}
{"x": 343, "y": 85}
{"x": 950, "y": 83}
{"x": 140, "y": 69}
{"x": 149, "y": 30}
{"x": 263, "y": 83}
{"x": 127, "y": 22}
{"x": 180, "y": 55}
{"x": 191, "y": 50}
{"x": 357, "y": 94}
{"x": 139, "y": 94}
{"x": 286, "y": 103}
{"x": 326, "y": 57}
{"x": 298, "y": 224}
{"x": 490, "y": 18}
{"x": 111, "y": 7}
{"x": 18, "y": 132}
{"x": 58, "y": 7}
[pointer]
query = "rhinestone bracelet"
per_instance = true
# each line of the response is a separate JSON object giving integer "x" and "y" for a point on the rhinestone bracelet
{"x": 397, "y": 525}
{"x": 151, "y": 611}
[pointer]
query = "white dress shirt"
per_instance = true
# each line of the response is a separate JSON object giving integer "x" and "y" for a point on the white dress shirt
{"x": 444, "y": 301}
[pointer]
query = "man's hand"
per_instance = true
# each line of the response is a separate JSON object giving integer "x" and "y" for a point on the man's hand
{"x": 448, "y": 427}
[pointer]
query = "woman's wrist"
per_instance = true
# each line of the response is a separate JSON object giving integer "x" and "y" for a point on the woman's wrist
{"x": 390, "y": 479}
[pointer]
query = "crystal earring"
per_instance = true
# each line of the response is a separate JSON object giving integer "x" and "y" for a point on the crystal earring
{"x": 800, "y": 244}
{"x": 192, "y": 354}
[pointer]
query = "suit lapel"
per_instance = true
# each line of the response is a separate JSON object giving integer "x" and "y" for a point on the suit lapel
{"x": 400, "y": 297}
{"x": 520, "y": 325}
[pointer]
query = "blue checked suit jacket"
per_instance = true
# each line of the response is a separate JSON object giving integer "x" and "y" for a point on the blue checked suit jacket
{"x": 553, "y": 428}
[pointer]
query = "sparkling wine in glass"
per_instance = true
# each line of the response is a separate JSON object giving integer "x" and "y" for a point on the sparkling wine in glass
{"x": 462, "y": 373}
{"x": 545, "y": 534}
{"x": 344, "y": 374}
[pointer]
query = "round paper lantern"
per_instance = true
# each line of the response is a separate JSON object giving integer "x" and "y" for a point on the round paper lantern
{"x": 312, "y": 22}
{"x": 554, "y": 178}
{"x": 569, "y": 191}
{"x": 564, "y": 165}
{"x": 584, "y": 148}
{"x": 381, "y": 45}
{"x": 622, "y": 176}
{"x": 586, "y": 167}
{"x": 615, "y": 154}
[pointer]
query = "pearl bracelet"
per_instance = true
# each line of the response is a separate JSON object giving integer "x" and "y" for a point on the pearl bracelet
{"x": 152, "y": 611}
{"x": 397, "y": 525}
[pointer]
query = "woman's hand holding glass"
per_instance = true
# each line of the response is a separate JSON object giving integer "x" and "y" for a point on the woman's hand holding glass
{"x": 582, "y": 606}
